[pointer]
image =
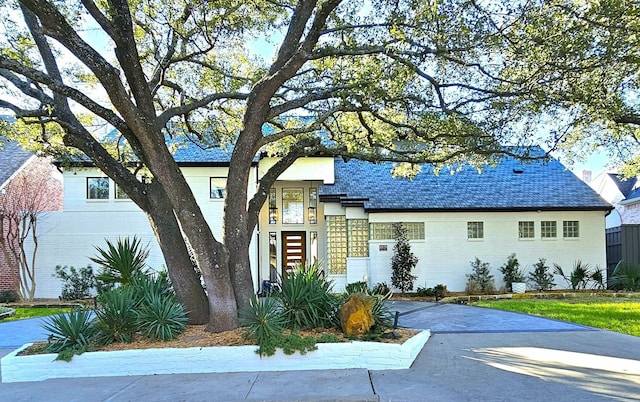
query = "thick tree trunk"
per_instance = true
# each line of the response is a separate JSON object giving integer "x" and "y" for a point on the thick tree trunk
{"x": 186, "y": 281}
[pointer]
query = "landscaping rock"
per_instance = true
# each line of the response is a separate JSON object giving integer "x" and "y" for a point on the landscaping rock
{"x": 356, "y": 314}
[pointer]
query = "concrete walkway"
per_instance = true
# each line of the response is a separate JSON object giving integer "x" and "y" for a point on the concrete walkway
{"x": 474, "y": 354}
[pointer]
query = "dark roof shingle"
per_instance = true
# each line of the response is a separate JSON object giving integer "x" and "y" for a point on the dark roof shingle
{"x": 12, "y": 157}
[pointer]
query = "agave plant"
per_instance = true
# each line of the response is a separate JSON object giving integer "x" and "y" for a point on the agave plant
{"x": 122, "y": 261}
{"x": 161, "y": 317}
{"x": 69, "y": 331}
{"x": 117, "y": 316}
{"x": 264, "y": 321}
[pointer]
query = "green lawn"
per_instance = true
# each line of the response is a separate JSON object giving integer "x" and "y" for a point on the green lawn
{"x": 612, "y": 314}
{"x": 34, "y": 312}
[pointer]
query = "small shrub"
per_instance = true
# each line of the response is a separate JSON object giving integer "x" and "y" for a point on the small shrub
{"x": 306, "y": 298}
{"x": 511, "y": 272}
{"x": 578, "y": 278}
{"x": 357, "y": 287}
{"x": 263, "y": 320}
{"x": 161, "y": 318}
{"x": 76, "y": 283}
{"x": 403, "y": 260}
{"x": 381, "y": 289}
{"x": 541, "y": 278}
{"x": 440, "y": 291}
{"x": 71, "y": 333}
{"x": 480, "y": 280}
{"x": 121, "y": 261}
{"x": 117, "y": 315}
{"x": 597, "y": 277}
{"x": 425, "y": 292}
{"x": 625, "y": 276}
{"x": 9, "y": 296}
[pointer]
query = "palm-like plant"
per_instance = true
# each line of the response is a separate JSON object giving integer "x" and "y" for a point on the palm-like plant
{"x": 626, "y": 276}
{"x": 578, "y": 278}
{"x": 117, "y": 315}
{"x": 69, "y": 331}
{"x": 161, "y": 317}
{"x": 122, "y": 261}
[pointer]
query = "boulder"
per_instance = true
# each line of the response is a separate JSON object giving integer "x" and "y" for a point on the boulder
{"x": 356, "y": 314}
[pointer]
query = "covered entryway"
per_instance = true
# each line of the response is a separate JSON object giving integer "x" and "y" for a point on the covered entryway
{"x": 293, "y": 249}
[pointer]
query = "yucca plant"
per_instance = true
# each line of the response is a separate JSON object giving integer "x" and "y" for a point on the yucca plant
{"x": 146, "y": 285}
{"x": 121, "y": 261}
{"x": 264, "y": 321}
{"x": 306, "y": 298}
{"x": 161, "y": 317}
{"x": 71, "y": 333}
{"x": 625, "y": 276}
{"x": 117, "y": 316}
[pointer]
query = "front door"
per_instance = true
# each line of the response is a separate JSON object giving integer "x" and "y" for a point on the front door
{"x": 293, "y": 249}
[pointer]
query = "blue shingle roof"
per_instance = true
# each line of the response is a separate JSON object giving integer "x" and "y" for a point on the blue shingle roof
{"x": 539, "y": 186}
{"x": 12, "y": 157}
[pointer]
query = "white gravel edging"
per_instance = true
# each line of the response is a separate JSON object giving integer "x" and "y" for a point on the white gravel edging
{"x": 221, "y": 359}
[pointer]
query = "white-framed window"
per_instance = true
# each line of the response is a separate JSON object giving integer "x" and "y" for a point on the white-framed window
{"x": 475, "y": 230}
{"x": 548, "y": 229}
{"x": 97, "y": 188}
{"x": 570, "y": 229}
{"x": 217, "y": 188}
{"x": 526, "y": 230}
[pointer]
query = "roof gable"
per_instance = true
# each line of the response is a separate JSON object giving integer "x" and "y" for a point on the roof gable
{"x": 510, "y": 185}
{"x": 12, "y": 157}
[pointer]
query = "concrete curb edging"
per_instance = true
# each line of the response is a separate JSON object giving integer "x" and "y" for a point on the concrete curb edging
{"x": 368, "y": 355}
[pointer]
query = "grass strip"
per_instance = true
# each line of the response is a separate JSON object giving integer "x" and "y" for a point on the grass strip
{"x": 34, "y": 312}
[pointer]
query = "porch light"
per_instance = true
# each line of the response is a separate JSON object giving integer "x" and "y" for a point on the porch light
{"x": 312, "y": 215}
{"x": 273, "y": 215}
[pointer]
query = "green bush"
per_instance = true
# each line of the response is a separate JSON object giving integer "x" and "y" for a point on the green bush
{"x": 9, "y": 296}
{"x": 122, "y": 261}
{"x": 480, "y": 280}
{"x": 511, "y": 272}
{"x": 579, "y": 277}
{"x": 76, "y": 283}
{"x": 357, "y": 287}
{"x": 625, "y": 276}
{"x": 306, "y": 298}
{"x": 162, "y": 318}
{"x": 71, "y": 333}
{"x": 264, "y": 321}
{"x": 117, "y": 315}
{"x": 541, "y": 278}
{"x": 381, "y": 289}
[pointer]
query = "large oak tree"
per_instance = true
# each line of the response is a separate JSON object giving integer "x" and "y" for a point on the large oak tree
{"x": 400, "y": 80}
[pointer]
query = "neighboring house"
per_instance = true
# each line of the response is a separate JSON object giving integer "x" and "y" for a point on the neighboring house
{"x": 623, "y": 224}
{"x": 340, "y": 214}
{"x": 18, "y": 167}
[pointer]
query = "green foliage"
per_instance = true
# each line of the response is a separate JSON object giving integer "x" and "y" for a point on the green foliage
{"x": 70, "y": 333}
{"x": 480, "y": 280}
{"x": 403, "y": 260}
{"x": 147, "y": 285}
{"x": 357, "y": 287}
{"x": 9, "y": 296}
{"x": 161, "y": 317}
{"x": 289, "y": 343}
{"x": 580, "y": 276}
{"x": 306, "y": 298}
{"x": 512, "y": 272}
{"x": 625, "y": 276}
{"x": 381, "y": 289}
{"x": 439, "y": 291}
{"x": 76, "y": 283}
{"x": 122, "y": 261}
{"x": 117, "y": 315}
{"x": 263, "y": 320}
{"x": 541, "y": 278}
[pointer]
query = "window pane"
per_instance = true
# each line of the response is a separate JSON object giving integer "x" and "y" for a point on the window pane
{"x": 384, "y": 231}
{"x": 292, "y": 205}
{"x": 548, "y": 229}
{"x": 358, "y": 237}
{"x": 273, "y": 257}
{"x": 526, "y": 230}
{"x": 313, "y": 247}
{"x": 475, "y": 230}
{"x": 218, "y": 187}
{"x": 120, "y": 194}
{"x": 98, "y": 188}
{"x": 570, "y": 229}
{"x": 337, "y": 244}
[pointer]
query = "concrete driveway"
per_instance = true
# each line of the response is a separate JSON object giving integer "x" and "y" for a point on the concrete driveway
{"x": 474, "y": 354}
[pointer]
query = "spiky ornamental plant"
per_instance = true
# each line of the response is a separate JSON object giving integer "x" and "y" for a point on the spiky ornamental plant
{"x": 403, "y": 260}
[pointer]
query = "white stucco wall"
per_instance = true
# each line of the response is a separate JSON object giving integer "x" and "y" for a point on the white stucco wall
{"x": 445, "y": 254}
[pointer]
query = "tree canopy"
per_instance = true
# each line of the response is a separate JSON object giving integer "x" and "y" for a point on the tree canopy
{"x": 443, "y": 82}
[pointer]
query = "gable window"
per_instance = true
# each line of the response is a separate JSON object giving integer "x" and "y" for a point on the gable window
{"x": 292, "y": 205}
{"x": 97, "y": 188}
{"x": 217, "y": 188}
{"x": 358, "y": 237}
{"x": 526, "y": 230}
{"x": 548, "y": 229}
{"x": 475, "y": 230}
{"x": 570, "y": 229}
{"x": 384, "y": 231}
